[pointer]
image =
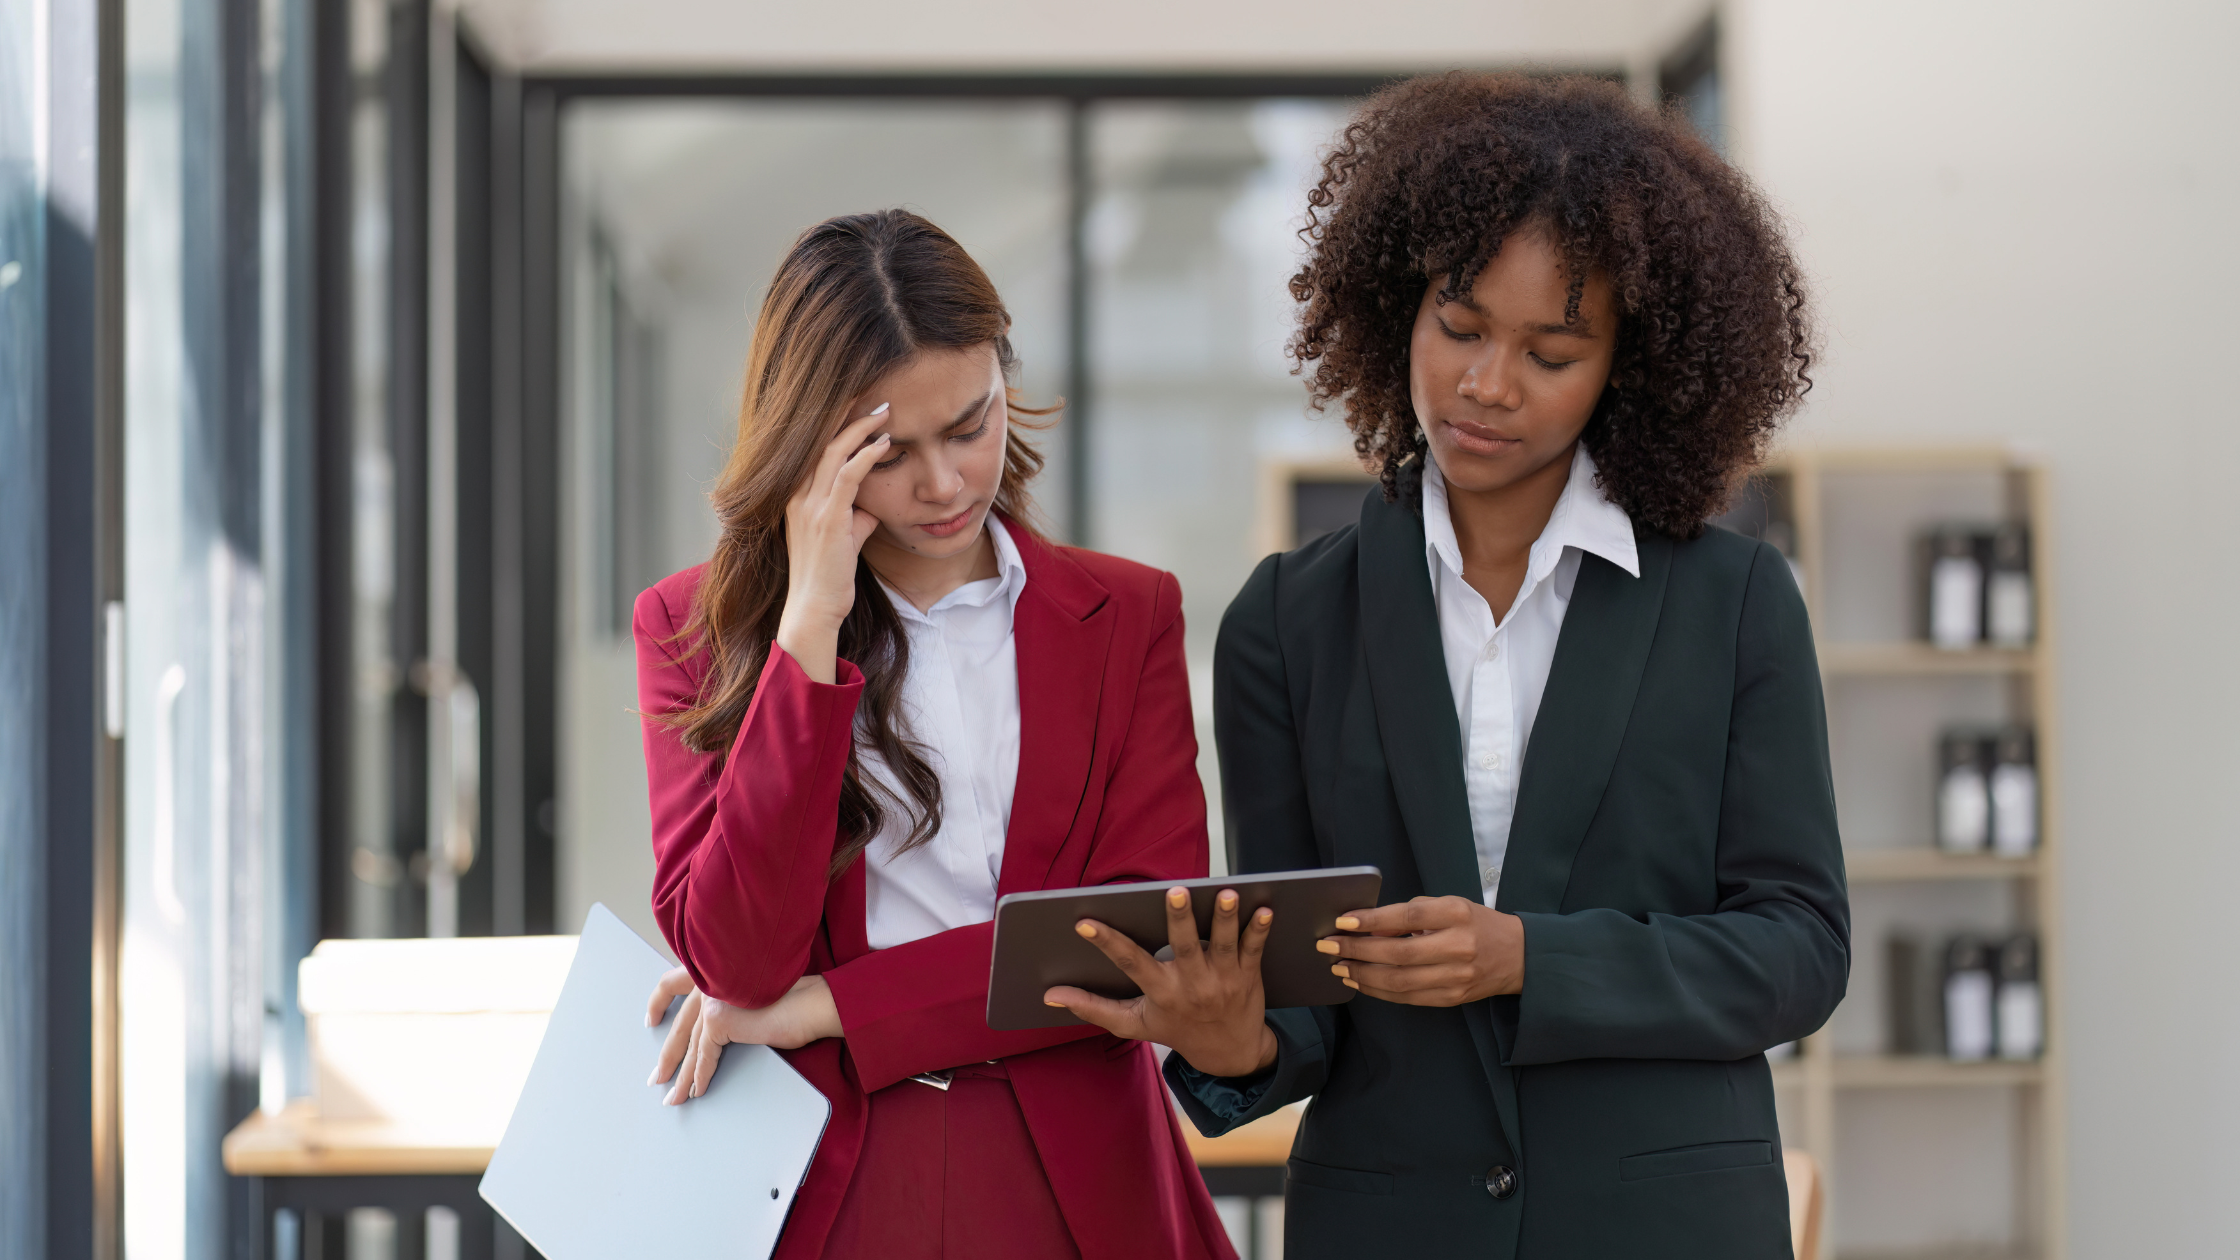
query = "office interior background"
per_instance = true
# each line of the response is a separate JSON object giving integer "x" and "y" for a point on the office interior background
{"x": 360, "y": 360}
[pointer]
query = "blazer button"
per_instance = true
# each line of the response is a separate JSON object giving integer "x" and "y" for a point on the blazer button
{"x": 1501, "y": 1181}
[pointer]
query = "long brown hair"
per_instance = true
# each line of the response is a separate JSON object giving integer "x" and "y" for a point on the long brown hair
{"x": 856, "y": 297}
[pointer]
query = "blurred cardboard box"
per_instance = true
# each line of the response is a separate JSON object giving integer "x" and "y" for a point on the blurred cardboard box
{"x": 430, "y": 1034}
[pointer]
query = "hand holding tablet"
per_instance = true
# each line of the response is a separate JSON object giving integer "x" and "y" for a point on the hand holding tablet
{"x": 1231, "y": 948}
{"x": 1205, "y": 1000}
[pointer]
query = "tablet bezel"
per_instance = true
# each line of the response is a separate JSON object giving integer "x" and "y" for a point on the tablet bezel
{"x": 1036, "y": 946}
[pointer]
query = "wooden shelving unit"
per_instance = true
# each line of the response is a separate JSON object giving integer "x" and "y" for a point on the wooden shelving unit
{"x": 1882, "y": 495}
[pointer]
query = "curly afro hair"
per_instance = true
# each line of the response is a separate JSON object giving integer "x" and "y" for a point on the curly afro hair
{"x": 1713, "y": 340}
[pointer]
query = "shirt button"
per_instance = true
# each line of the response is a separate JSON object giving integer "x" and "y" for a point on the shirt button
{"x": 1491, "y": 761}
{"x": 1493, "y": 649}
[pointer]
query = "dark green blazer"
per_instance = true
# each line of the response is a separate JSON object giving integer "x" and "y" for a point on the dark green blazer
{"x": 1674, "y": 858}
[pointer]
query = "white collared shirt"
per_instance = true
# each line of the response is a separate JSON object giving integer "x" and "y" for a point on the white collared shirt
{"x": 960, "y": 702}
{"x": 1498, "y": 672}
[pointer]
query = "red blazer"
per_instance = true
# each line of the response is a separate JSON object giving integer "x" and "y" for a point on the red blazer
{"x": 1108, "y": 792}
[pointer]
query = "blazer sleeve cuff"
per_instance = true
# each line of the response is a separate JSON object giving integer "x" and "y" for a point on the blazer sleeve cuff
{"x": 923, "y": 1007}
{"x": 1535, "y": 1028}
{"x": 1227, "y": 1099}
{"x": 1217, "y": 1105}
{"x": 783, "y": 674}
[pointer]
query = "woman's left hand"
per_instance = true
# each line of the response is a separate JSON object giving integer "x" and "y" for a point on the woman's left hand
{"x": 705, "y": 1025}
{"x": 1432, "y": 951}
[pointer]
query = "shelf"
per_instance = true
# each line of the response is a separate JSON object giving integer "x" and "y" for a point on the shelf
{"x": 1915, "y": 864}
{"x": 1922, "y": 459}
{"x": 1911, "y": 1072}
{"x": 1925, "y": 1072}
{"x": 1894, "y": 659}
{"x": 1947, "y": 1254}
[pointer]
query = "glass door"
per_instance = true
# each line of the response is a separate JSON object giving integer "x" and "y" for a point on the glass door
{"x": 216, "y": 711}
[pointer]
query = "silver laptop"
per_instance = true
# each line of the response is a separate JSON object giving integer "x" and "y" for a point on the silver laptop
{"x": 593, "y": 1166}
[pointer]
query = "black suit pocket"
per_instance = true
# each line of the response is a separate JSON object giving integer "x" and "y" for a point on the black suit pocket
{"x": 1350, "y": 1180}
{"x": 1707, "y": 1157}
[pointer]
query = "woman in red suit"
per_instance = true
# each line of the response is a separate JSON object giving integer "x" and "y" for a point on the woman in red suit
{"x": 883, "y": 703}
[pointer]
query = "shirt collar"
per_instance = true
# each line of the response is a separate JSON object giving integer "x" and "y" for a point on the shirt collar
{"x": 1011, "y": 579}
{"x": 1584, "y": 517}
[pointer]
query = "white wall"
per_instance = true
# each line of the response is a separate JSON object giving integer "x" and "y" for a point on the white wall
{"x": 2019, "y": 218}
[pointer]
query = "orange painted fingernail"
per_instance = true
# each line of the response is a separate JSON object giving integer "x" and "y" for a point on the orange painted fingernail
{"x": 1228, "y": 901}
{"x": 1340, "y": 971}
{"x": 1326, "y": 946}
{"x": 1060, "y": 1005}
{"x": 1351, "y": 985}
{"x": 1178, "y": 897}
{"x": 1349, "y": 924}
{"x": 1265, "y": 916}
{"x": 1087, "y": 929}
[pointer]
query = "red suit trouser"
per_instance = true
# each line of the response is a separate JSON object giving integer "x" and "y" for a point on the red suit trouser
{"x": 949, "y": 1175}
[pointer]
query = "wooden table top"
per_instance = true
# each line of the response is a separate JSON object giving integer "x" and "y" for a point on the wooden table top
{"x": 1265, "y": 1143}
{"x": 298, "y": 1143}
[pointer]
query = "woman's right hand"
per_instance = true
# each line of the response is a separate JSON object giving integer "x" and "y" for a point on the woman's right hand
{"x": 705, "y": 1026}
{"x": 1207, "y": 1005}
{"x": 825, "y": 532}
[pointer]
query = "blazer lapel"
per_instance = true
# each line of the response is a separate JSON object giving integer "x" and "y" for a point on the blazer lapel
{"x": 1414, "y": 702}
{"x": 1583, "y": 714}
{"x": 1061, "y": 632}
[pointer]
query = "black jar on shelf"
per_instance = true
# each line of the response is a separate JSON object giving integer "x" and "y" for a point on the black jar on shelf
{"x": 2021, "y": 1014}
{"x": 1963, "y": 791}
{"x": 2013, "y": 787}
{"x": 2009, "y": 596}
{"x": 1970, "y": 1007}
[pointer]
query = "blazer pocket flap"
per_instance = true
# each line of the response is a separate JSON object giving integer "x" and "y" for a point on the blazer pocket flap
{"x": 1350, "y": 1180}
{"x": 1705, "y": 1157}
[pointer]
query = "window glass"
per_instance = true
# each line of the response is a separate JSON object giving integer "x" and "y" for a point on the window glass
{"x": 217, "y": 899}
{"x": 22, "y": 509}
{"x": 1192, "y": 241}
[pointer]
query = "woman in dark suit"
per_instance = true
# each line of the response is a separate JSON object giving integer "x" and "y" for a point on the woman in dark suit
{"x": 1581, "y": 734}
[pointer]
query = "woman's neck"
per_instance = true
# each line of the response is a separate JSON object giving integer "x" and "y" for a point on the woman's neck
{"x": 924, "y": 580}
{"x": 1496, "y": 528}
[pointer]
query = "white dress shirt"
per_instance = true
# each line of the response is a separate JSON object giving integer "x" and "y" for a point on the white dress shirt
{"x": 960, "y": 702}
{"x": 1499, "y": 671}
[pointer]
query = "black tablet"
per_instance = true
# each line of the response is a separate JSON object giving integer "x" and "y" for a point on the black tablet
{"x": 1037, "y": 947}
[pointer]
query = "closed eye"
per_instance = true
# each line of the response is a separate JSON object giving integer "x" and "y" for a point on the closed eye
{"x": 1449, "y": 330}
{"x": 986, "y": 408}
{"x": 1552, "y": 365}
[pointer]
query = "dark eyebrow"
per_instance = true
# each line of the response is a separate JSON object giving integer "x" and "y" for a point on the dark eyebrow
{"x": 1582, "y": 329}
{"x": 969, "y": 412}
{"x": 964, "y": 416}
